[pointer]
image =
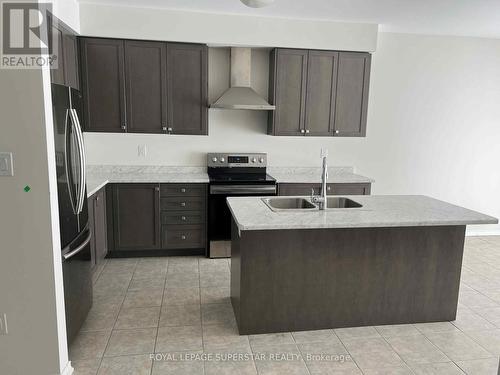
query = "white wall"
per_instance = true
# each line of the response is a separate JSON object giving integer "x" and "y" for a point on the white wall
{"x": 31, "y": 288}
{"x": 68, "y": 11}
{"x": 433, "y": 124}
{"x": 224, "y": 29}
{"x": 31, "y": 284}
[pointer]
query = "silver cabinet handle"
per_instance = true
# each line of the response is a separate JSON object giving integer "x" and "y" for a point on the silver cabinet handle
{"x": 337, "y": 132}
{"x": 307, "y": 131}
{"x": 183, "y": 218}
{"x": 183, "y": 190}
{"x": 183, "y": 237}
{"x": 79, "y": 248}
{"x": 302, "y": 131}
{"x": 157, "y": 188}
{"x": 124, "y": 126}
{"x": 169, "y": 130}
{"x": 183, "y": 204}
{"x": 164, "y": 128}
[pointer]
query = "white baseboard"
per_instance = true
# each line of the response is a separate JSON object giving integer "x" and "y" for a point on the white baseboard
{"x": 478, "y": 231}
{"x": 68, "y": 369}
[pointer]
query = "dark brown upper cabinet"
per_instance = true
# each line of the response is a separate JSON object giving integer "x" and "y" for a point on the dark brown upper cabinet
{"x": 136, "y": 216}
{"x": 56, "y": 38}
{"x": 318, "y": 93}
{"x": 65, "y": 44}
{"x": 156, "y": 87}
{"x": 287, "y": 91}
{"x": 352, "y": 94}
{"x": 146, "y": 86}
{"x": 103, "y": 81}
{"x": 187, "y": 88}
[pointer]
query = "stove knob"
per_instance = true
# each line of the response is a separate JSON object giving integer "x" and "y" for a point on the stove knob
{"x": 254, "y": 160}
{"x": 214, "y": 159}
{"x": 261, "y": 160}
{"x": 222, "y": 160}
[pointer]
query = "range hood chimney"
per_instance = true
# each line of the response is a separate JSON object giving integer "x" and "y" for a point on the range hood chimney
{"x": 241, "y": 95}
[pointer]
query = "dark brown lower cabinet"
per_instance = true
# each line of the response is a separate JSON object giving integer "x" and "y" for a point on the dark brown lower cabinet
{"x": 291, "y": 189}
{"x": 158, "y": 218}
{"x": 136, "y": 216}
{"x": 98, "y": 226}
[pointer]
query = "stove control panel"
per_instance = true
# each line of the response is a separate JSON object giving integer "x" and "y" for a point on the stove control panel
{"x": 257, "y": 160}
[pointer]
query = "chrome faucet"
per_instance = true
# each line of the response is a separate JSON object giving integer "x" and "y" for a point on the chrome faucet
{"x": 321, "y": 198}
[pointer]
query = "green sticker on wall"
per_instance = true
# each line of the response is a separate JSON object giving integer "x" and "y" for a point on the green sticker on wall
{"x": 27, "y": 188}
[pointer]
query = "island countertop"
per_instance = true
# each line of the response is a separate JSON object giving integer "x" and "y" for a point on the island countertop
{"x": 251, "y": 213}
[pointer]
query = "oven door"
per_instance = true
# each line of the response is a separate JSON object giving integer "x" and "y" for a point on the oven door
{"x": 219, "y": 216}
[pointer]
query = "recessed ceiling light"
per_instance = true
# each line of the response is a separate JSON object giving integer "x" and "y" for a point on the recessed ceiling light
{"x": 257, "y": 3}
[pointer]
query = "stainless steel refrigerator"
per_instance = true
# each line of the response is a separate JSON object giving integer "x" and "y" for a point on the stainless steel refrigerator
{"x": 73, "y": 212}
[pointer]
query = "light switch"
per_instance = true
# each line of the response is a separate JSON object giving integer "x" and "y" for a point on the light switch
{"x": 6, "y": 165}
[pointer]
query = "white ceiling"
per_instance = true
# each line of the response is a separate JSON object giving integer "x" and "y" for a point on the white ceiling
{"x": 446, "y": 17}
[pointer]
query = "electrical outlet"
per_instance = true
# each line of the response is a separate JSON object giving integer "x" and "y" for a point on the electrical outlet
{"x": 3, "y": 324}
{"x": 141, "y": 150}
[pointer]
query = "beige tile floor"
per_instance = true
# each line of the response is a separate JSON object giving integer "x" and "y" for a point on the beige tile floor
{"x": 179, "y": 308}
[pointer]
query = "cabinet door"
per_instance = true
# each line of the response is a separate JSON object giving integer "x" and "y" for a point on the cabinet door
{"x": 91, "y": 205}
{"x": 187, "y": 88}
{"x": 288, "y": 91}
{"x": 100, "y": 225}
{"x": 57, "y": 75}
{"x": 136, "y": 216}
{"x": 320, "y": 93}
{"x": 103, "y": 84}
{"x": 146, "y": 85}
{"x": 70, "y": 51}
{"x": 352, "y": 94}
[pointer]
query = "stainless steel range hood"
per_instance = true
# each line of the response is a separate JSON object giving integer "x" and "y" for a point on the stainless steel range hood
{"x": 241, "y": 95}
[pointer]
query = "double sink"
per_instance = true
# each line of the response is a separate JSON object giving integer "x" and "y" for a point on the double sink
{"x": 297, "y": 203}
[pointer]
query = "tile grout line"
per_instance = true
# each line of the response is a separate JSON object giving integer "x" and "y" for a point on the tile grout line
{"x": 201, "y": 318}
{"x": 119, "y": 310}
{"x": 159, "y": 315}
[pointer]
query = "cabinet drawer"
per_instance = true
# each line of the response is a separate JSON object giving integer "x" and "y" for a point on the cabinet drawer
{"x": 182, "y": 204}
{"x": 182, "y": 218}
{"x": 348, "y": 189}
{"x": 182, "y": 236}
{"x": 182, "y": 190}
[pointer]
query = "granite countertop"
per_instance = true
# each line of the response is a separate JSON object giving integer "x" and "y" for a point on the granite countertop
{"x": 100, "y": 175}
{"x": 251, "y": 213}
{"x": 313, "y": 175}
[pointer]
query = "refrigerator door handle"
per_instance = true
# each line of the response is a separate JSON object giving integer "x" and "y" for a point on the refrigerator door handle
{"x": 81, "y": 153}
{"x": 79, "y": 248}
{"x": 66, "y": 151}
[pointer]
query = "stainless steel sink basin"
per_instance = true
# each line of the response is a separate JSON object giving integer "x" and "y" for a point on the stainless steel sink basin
{"x": 289, "y": 203}
{"x": 301, "y": 204}
{"x": 339, "y": 202}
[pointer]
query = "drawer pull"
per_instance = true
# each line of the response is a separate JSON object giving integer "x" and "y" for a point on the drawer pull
{"x": 183, "y": 237}
{"x": 183, "y": 204}
{"x": 183, "y": 218}
{"x": 183, "y": 190}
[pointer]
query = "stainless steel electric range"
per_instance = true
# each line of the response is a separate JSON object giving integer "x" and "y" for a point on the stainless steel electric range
{"x": 232, "y": 175}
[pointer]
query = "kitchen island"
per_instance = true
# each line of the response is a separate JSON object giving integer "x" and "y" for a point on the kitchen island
{"x": 393, "y": 260}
